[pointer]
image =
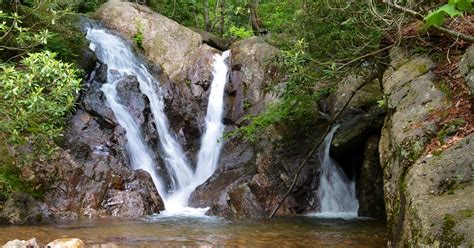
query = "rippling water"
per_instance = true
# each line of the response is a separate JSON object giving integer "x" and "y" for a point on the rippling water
{"x": 209, "y": 231}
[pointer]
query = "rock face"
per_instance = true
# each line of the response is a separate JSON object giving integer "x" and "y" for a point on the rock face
{"x": 252, "y": 178}
{"x": 21, "y": 208}
{"x": 426, "y": 196}
{"x": 95, "y": 178}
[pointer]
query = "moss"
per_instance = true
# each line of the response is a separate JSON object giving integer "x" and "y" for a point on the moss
{"x": 450, "y": 129}
{"x": 422, "y": 68}
{"x": 466, "y": 213}
{"x": 412, "y": 150}
{"x": 444, "y": 87}
{"x": 448, "y": 236}
{"x": 188, "y": 83}
{"x": 247, "y": 104}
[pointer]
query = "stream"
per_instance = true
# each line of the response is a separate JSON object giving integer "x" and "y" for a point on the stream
{"x": 176, "y": 231}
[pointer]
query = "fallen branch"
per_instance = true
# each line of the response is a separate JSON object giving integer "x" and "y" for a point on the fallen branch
{"x": 320, "y": 141}
{"x": 452, "y": 33}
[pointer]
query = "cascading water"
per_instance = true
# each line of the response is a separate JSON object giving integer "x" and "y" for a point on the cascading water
{"x": 208, "y": 156}
{"x": 336, "y": 192}
{"x": 118, "y": 55}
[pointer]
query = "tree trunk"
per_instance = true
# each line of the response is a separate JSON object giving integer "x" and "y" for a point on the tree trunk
{"x": 221, "y": 17}
{"x": 207, "y": 21}
{"x": 257, "y": 24}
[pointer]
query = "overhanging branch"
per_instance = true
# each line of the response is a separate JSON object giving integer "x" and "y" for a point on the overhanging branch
{"x": 420, "y": 17}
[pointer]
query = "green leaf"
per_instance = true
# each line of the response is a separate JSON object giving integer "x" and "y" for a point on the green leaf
{"x": 462, "y": 5}
{"x": 451, "y": 10}
{"x": 435, "y": 18}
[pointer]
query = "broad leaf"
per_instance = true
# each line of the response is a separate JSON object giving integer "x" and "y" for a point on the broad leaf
{"x": 435, "y": 18}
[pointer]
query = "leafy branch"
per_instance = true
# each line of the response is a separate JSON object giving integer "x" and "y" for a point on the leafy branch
{"x": 434, "y": 19}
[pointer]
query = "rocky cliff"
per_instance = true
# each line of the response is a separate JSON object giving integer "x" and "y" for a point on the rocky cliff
{"x": 428, "y": 196}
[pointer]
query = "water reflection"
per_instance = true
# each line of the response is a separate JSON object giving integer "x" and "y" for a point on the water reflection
{"x": 156, "y": 231}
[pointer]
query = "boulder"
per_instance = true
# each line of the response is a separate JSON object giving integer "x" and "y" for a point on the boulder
{"x": 439, "y": 210}
{"x": 66, "y": 243}
{"x": 174, "y": 47}
{"x": 417, "y": 212}
{"x": 21, "y": 208}
{"x": 363, "y": 116}
{"x": 31, "y": 243}
{"x": 249, "y": 76}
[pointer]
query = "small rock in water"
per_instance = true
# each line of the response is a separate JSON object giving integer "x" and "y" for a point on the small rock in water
{"x": 66, "y": 243}
{"x": 31, "y": 243}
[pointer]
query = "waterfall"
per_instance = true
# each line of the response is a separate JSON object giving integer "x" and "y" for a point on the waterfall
{"x": 208, "y": 155}
{"x": 336, "y": 192}
{"x": 118, "y": 55}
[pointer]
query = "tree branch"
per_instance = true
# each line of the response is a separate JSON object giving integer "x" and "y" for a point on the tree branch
{"x": 320, "y": 141}
{"x": 419, "y": 16}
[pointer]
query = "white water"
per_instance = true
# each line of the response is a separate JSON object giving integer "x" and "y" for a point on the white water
{"x": 208, "y": 156}
{"x": 121, "y": 61}
{"x": 336, "y": 194}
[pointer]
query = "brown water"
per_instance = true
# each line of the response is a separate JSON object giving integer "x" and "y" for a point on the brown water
{"x": 210, "y": 231}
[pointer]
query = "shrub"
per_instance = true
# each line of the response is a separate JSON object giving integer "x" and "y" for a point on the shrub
{"x": 36, "y": 95}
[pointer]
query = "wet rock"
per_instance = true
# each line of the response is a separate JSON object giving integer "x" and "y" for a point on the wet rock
{"x": 129, "y": 93}
{"x": 101, "y": 73}
{"x": 21, "y": 208}
{"x": 66, "y": 243}
{"x": 125, "y": 204}
{"x": 31, "y": 243}
{"x": 94, "y": 169}
{"x": 370, "y": 183}
{"x": 86, "y": 60}
{"x": 93, "y": 101}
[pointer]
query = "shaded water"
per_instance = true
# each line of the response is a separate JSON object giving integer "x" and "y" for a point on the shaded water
{"x": 176, "y": 231}
{"x": 336, "y": 192}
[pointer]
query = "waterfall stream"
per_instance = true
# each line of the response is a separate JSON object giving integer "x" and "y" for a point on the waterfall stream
{"x": 336, "y": 194}
{"x": 121, "y": 60}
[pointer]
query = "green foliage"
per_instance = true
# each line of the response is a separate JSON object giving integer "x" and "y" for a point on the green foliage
{"x": 35, "y": 26}
{"x": 453, "y": 8}
{"x": 138, "y": 37}
{"x": 36, "y": 95}
{"x": 14, "y": 36}
{"x": 239, "y": 32}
